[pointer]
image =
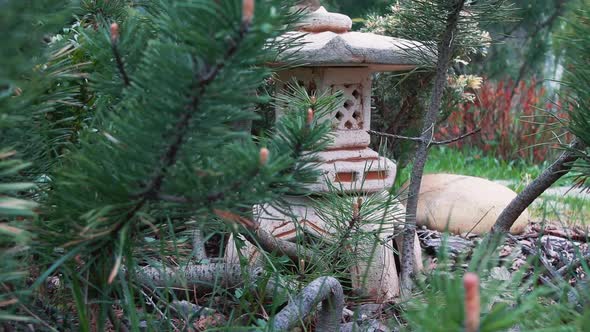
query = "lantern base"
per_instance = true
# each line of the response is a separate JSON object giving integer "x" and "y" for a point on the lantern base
{"x": 375, "y": 274}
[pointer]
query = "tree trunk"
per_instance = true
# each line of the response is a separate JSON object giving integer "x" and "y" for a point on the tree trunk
{"x": 445, "y": 51}
{"x": 526, "y": 197}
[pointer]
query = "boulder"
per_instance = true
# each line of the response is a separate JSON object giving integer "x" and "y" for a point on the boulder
{"x": 463, "y": 204}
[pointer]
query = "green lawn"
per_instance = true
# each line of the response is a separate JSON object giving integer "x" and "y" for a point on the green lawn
{"x": 476, "y": 163}
{"x": 567, "y": 210}
{"x": 518, "y": 173}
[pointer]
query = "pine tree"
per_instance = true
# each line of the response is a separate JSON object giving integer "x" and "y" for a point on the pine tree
{"x": 577, "y": 82}
{"x": 576, "y": 154}
{"x": 451, "y": 35}
{"x": 23, "y": 100}
{"x": 145, "y": 150}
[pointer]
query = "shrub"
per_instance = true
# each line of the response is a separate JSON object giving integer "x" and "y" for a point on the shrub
{"x": 512, "y": 127}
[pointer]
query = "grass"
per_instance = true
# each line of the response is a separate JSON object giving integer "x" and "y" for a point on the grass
{"x": 516, "y": 174}
{"x": 562, "y": 209}
{"x": 476, "y": 163}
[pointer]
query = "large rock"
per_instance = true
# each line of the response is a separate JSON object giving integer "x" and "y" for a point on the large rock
{"x": 462, "y": 204}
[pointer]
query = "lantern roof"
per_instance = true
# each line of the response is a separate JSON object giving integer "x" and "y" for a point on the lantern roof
{"x": 325, "y": 40}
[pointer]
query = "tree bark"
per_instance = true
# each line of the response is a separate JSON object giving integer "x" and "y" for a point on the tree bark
{"x": 445, "y": 51}
{"x": 270, "y": 243}
{"x": 526, "y": 197}
{"x": 204, "y": 278}
{"x": 325, "y": 289}
{"x": 265, "y": 240}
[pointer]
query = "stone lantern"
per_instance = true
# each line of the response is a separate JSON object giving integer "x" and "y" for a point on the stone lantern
{"x": 338, "y": 60}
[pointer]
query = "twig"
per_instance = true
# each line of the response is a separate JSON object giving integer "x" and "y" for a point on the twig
{"x": 352, "y": 223}
{"x": 155, "y": 306}
{"x": 574, "y": 264}
{"x": 168, "y": 158}
{"x": 325, "y": 289}
{"x": 420, "y": 139}
{"x": 118, "y": 59}
{"x": 265, "y": 240}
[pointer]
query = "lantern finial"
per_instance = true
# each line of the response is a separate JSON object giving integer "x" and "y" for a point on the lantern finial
{"x": 320, "y": 20}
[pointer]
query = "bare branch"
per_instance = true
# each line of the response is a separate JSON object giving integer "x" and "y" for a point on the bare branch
{"x": 205, "y": 278}
{"x": 420, "y": 139}
{"x": 265, "y": 240}
{"x": 325, "y": 289}
{"x": 199, "y": 245}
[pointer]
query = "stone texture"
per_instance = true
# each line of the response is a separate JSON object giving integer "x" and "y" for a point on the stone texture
{"x": 321, "y": 20}
{"x": 463, "y": 204}
{"x": 324, "y": 40}
{"x": 381, "y": 53}
{"x": 375, "y": 278}
{"x": 348, "y": 164}
{"x": 352, "y": 118}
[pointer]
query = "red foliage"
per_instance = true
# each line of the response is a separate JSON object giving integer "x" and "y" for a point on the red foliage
{"x": 521, "y": 128}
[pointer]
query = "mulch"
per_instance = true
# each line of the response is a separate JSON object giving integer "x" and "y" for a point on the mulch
{"x": 561, "y": 251}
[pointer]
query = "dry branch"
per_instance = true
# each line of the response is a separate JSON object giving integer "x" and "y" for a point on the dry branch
{"x": 325, "y": 289}
{"x": 205, "y": 278}
{"x": 265, "y": 240}
{"x": 420, "y": 139}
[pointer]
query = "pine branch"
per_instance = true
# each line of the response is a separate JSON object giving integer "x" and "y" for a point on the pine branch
{"x": 168, "y": 158}
{"x": 265, "y": 240}
{"x": 353, "y": 223}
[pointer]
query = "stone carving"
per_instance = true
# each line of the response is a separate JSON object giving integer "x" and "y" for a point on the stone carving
{"x": 349, "y": 116}
{"x": 336, "y": 59}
